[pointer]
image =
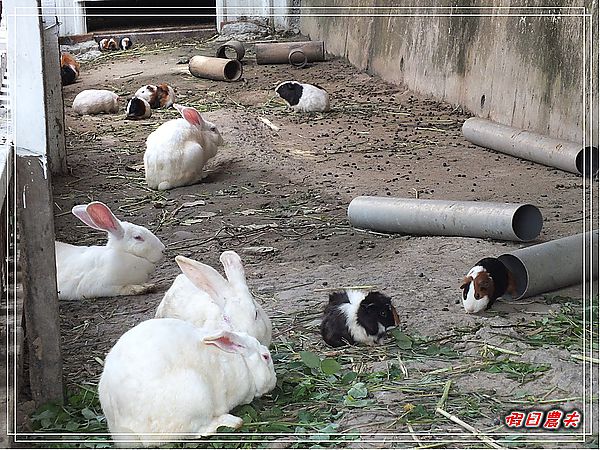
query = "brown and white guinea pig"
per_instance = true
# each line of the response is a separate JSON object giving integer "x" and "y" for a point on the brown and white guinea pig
{"x": 125, "y": 43}
{"x": 108, "y": 44}
{"x": 488, "y": 280}
{"x": 137, "y": 108}
{"x": 69, "y": 69}
{"x": 303, "y": 97}
{"x": 354, "y": 316}
{"x": 161, "y": 96}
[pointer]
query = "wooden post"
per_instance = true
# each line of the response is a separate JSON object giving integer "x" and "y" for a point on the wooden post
{"x": 55, "y": 115}
{"x": 35, "y": 218}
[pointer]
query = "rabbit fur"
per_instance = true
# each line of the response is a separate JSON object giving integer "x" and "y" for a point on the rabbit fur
{"x": 168, "y": 376}
{"x": 177, "y": 151}
{"x": 121, "y": 267}
{"x": 203, "y": 297}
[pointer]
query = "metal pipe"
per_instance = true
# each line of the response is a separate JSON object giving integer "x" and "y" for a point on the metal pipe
{"x": 558, "y": 153}
{"x": 216, "y": 68}
{"x": 280, "y": 52}
{"x": 506, "y": 221}
{"x": 234, "y": 45}
{"x": 553, "y": 265}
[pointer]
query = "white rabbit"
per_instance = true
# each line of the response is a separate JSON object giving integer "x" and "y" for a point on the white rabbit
{"x": 303, "y": 97}
{"x": 121, "y": 267}
{"x": 203, "y": 297}
{"x": 168, "y": 376}
{"x": 177, "y": 151}
{"x": 96, "y": 101}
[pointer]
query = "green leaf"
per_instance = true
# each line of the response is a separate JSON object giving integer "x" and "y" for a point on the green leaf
{"x": 88, "y": 413}
{"x": 359, "y": 390}
{"x": 71, "y": 426}
{"x": 330, "y": 366}
{"x": 349, "y": 377}
{"x": 403, "y": 341}
{"x": 310, "y": 360}
{"x": 361, "y": 403}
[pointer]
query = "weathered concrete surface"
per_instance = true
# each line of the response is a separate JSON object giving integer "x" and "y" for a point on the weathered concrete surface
{"x": 503, "y": 64}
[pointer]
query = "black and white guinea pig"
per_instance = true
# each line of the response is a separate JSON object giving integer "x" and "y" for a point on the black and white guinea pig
{"x": 488, "y": 280}
{"x": 125, "y": 43}
{"x": 354, "y": 316}
{"x": 160, "y": 96}
{"x": 303, "y": 97}
{"x": 138, "y": 108}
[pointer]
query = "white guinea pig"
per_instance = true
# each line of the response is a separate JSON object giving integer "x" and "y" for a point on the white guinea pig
{"x": 303, "y": 97}
{"x": 96, "y": 101}
{"x": 168, "y": 376}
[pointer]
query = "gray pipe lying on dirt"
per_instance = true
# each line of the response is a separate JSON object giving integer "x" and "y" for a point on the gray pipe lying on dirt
{"x": 506, "y": 221}
{"x": 558, "y": 153}
{"x": 234, "y": 45}
{"x": 285, "y": 52}
{"x": 215, "y": 68}
{"x": 553, "y": 265}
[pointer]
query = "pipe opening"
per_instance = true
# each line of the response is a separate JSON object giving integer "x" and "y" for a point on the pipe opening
{"x": 231, "y": 50}
{"x": 297, "y": 58}
{"x": 232, "y": 70}
{"x": 588, "y": 161}
{"x": 527, "y": 222}
{"x": 519, "y": 272}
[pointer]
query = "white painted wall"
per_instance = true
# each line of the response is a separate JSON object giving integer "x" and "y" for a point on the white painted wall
{"x": 26, "y": 77}
{"x": 232, "y": 10}
{"x": 70, "y": 14}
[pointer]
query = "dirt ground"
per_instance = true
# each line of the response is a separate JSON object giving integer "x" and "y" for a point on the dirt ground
{"x": 289, "y": 189}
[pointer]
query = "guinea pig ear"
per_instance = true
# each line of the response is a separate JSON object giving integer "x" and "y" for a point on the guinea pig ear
{"x": 466, "y": 281}
{"x": 226, "y": 341}
{"x": 190, "y": 114}
{"x": 104, "y": 219}
{"x": 204, "y": 278}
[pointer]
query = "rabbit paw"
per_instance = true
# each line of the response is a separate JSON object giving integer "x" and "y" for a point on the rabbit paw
{"x": 226, "y": 420}
{"x": 137, "y": 289}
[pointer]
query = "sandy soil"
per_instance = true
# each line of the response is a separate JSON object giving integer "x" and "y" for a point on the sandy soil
{"x": 289, "y": 189}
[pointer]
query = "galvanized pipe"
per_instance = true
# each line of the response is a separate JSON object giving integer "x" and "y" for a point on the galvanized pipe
{"x": 280, "y": 52}
{"x": 506, "y": 221}
{"x": 558, "y": 153}
{"x": 234, "y": 45}
{"x": 553, "y": 265}
{"x": 216, "y": 68}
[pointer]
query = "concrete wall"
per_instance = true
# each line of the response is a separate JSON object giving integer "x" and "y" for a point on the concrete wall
{"x": 279, "y": 13}
{"x": 519, "y": 70}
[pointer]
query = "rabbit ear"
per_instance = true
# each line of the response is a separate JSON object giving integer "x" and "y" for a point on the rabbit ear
{"x": 226, "y": 341}
{"x": 80, "y": 212}
{"x": 190, "y": 114}
{"x": 204, "y": 278}
{"x": 233, "y": 268}
{"x": 104, "y": 219}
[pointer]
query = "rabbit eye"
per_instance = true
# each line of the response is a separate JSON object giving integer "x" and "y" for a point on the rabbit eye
{"x": 256, "y": 315}
{"x": 266, "y": 356}
{"x": 213, "y": 129}
{"x": 139, "y": 238}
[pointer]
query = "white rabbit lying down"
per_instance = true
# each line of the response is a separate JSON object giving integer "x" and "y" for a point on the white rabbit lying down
{"x": 168, "y": 376}
{"x": 121, "y": 267}
{"x": 177, "y": 151}
{"x": 203, "y": 297}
